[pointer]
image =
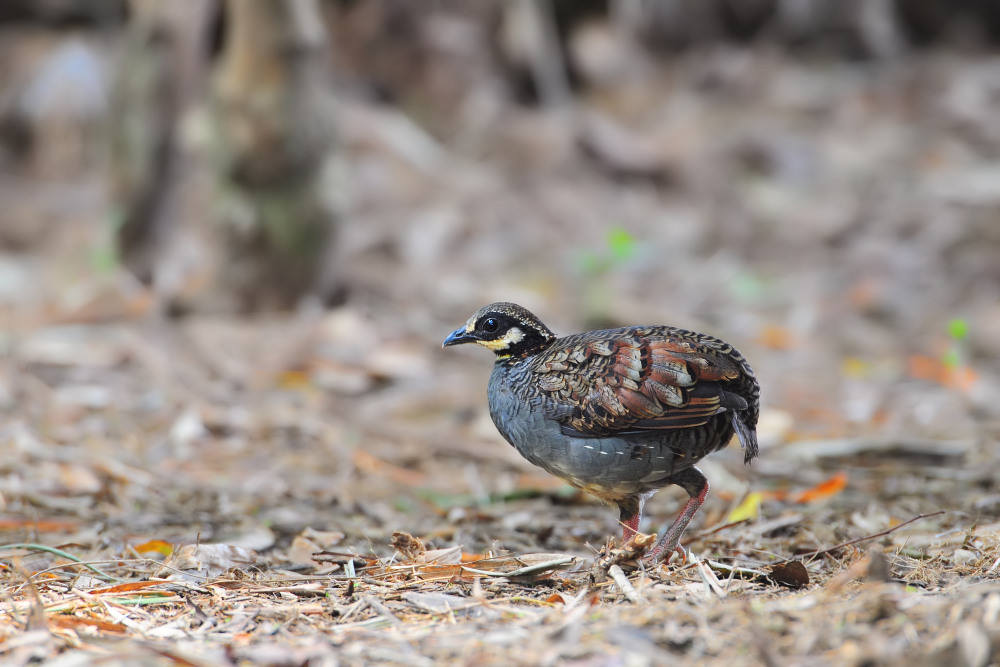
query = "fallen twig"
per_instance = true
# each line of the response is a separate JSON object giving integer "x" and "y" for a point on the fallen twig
{"x": 820, "y": 552}
{"x": 714, "y": 530}
{"x": 381, "y": 609}
{"x": 624, "y": 585}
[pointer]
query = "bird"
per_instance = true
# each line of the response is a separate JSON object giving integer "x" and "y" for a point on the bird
{"x": 617, "y": 413}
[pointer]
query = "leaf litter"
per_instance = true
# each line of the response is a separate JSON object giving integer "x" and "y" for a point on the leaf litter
{"x": 327, "y": 488}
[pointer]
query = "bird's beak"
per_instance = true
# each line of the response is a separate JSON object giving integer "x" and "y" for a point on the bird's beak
{"x": 457, "y": 337}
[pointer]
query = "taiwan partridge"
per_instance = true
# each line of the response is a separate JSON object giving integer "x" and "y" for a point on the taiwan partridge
{"x": 618, "y": 413}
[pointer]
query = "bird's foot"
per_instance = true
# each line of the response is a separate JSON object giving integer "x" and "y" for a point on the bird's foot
{"x": 662, "y": 553}
{"x": 679, "y": 550}
{"x": 625, "y": 555}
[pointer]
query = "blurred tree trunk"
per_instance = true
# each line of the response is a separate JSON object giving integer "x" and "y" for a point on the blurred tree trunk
{"x": 273, "y": 117}
{"x": 160, "y": 76}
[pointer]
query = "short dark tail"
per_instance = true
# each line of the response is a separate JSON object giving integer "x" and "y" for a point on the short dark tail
{"x": 747, "y": 435}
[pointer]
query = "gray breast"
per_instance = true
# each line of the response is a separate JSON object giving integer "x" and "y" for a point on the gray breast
{"x": 613, "y": 464}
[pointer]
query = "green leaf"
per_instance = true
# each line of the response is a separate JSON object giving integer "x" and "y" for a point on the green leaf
{"x": 104, "y": 259}
{"x": 445, "y": 501}
{"x": 404, "y": 505}
{"x": 621, "y": 244}
{"x": 958, "y": 328}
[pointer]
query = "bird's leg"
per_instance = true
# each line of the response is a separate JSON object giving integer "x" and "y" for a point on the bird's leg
{"x": 629, "y": 514}
{"x": 692, "y": 481}
{"x": 630, "y": 526}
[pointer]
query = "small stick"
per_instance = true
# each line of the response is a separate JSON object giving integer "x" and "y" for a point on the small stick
{"x": 624, "y": 585}
{"x": 716, "y": 529}
{"x": 820, "y": 552}
{"x": 381, "y": 610}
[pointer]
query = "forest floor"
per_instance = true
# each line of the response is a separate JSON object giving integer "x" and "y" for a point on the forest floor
{"x": 167, "y": 484}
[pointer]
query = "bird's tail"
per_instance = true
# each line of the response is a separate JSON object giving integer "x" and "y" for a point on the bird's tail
{"x": 747, "y": 436}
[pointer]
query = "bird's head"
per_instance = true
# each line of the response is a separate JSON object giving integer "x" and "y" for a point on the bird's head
{"x": 505, "y": 328}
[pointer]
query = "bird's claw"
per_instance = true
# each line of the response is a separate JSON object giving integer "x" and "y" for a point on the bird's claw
{"x": 663, "y": 555}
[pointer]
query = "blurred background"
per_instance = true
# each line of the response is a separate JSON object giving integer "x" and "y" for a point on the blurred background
{"x": 234, "y": 234}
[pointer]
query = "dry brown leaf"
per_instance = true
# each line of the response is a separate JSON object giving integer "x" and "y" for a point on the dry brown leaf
{"x": 790, "y": 573}
{"x": 157, "y": 546}
{"x": 437, "y": 603}
{"x": 77, "y": 622}
{"x": 39, "y": 525}
{"x": 447, "y": 556}
{"x": 206, "y": 560}
{"x": 373, "y": 465}
{"x": 126, "y": 587}
{"x": 326, "y": 539}
{"x": 301, "y": 551}
{"x": 409, "y": 547}
{"x": 825, "y": 489}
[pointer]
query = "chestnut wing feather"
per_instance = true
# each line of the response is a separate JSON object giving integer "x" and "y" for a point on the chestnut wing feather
{"x": 636, "y": 380}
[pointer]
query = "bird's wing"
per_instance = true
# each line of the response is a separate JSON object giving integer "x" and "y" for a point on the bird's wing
{"x": 637, "y": 380}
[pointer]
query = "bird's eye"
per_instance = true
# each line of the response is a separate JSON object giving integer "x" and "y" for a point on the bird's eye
{"x": 490, "y": 325}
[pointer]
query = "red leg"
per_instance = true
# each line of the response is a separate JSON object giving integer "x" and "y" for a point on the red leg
{"x": 696, "y": 485}
{"x": 630, "y": 514}
{"x": 630, "y": 526}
